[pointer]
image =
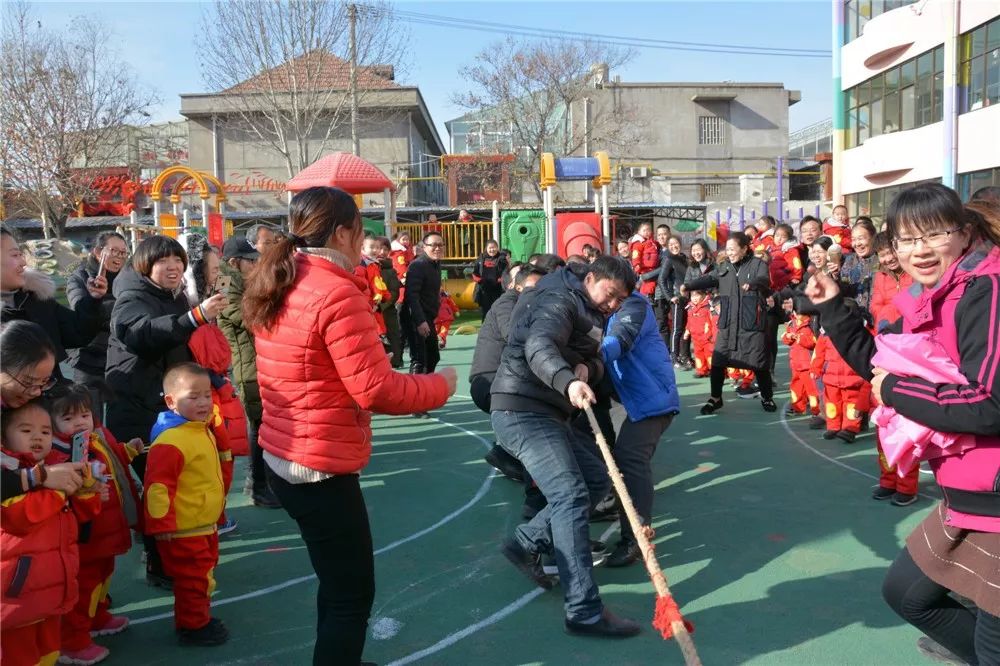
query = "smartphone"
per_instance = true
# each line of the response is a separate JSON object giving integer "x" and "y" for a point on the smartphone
{"x": 222, "y": 284}
{"x": 78, "y": 453}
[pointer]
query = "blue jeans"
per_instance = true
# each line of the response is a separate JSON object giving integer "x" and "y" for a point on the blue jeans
{"x": 563, "y": 460}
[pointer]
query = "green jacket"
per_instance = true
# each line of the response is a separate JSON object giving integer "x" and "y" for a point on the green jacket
{"x": 242, "y": 344}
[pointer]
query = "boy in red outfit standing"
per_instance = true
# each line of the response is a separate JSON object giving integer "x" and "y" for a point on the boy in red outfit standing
{"x": 38, "y": 530}
{"x": 801, "y": 342}
{"x": 843, "y": 391}
{"x": 446, "y": 315}
{"x": 838, "y": 227}
{"x": 108, "y": 534}
{"x": 184, "y": 498}
{"x": 700, "y": 331}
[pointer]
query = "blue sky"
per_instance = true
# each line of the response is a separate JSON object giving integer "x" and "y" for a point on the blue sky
{"x": 158, "y": 40}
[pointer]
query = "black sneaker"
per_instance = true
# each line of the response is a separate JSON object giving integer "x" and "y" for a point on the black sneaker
{"x": 265, "y": 499}
{"x": 939, "y": 653}
{"x": 881, "y": 493}
{"x": 609, "y": 626}
{"x": 769, "y": 405}
{"x": 505, "y": 463}
{"x": 713, "y": 405}
{"x": 213, "y": 633}
{"x": 817, "y": 423}
{"x": 624, "y": 554}
{"x": 747, "y": 392}
{"x": 830, "y": 434}
{"x": 527, "y": 563}
{"x": 847, "y": 436}
{"x": 902, "y": 499}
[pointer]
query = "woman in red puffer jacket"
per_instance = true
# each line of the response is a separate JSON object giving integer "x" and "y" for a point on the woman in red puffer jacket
{"x": 322, "y": 371}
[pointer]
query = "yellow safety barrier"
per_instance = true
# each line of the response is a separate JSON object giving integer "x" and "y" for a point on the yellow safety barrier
{"x": 463, "y": 241}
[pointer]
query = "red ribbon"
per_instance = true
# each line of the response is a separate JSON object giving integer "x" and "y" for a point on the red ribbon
{"x": 666, "y": 614}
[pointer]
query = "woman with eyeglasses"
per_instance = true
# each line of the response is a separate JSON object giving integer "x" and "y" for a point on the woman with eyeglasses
{"x": 106, "y": 259}
{"x": 27, "y": 361}
{"x": 30, "y": 296}
{"x": 951, "y": 253}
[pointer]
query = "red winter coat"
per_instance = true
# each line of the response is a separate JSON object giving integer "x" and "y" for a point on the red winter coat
{"x": 210, "y": 349}
{"x": 447, "y": 311}
{"x": 884, "y": 289}
{"x": 840, "y": 234}
{"x": 763, "y": 240}
{"x": 699, "y": 322}
{"x": 829, "y": 365}
{"x": 800, "y": 338}
{"x": 791, "y": 253}
{"x": 39, "y": 558}
{"x": 321, "y": 368}
{"x": 645, "y": 257}
{"x": 109, "y": 533}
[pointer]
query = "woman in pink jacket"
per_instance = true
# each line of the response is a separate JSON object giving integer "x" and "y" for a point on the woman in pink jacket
{"x": 952, "y": 255}
{"x": 322, "y": 371}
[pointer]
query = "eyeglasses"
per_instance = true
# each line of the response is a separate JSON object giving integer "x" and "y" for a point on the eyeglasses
{"x": 436, "y": 246}
{"x": 933, "y": 239}
{"x": 41, "y": 387}
{"x": 119, "y": 254}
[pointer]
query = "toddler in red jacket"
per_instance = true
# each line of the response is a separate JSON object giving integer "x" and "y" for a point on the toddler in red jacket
{"x": 644, "y": 253}
{"x": 843, "y": 391}
{"x": 109, "y": 533}
{"x": 838, "y": 227}
{"x": 39, "y": 557}
{"x": 700, "y": 331}
{"x": 445, "y": 317}
{"x": 801, "y": 341}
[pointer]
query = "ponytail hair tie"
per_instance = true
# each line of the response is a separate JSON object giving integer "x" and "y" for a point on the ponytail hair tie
{"x": 297, "y": 241}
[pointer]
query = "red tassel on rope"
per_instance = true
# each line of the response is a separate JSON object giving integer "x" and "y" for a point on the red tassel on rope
{"x": 667, "y": 612}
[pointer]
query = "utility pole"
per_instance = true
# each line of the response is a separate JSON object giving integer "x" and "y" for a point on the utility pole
{"x": 352, "y": 17}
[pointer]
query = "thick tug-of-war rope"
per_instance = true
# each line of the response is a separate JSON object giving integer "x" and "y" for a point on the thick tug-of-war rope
{"x": 667, "y": 619}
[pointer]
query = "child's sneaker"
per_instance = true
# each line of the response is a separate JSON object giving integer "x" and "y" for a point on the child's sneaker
{"x": 228, "y": 526}
{"x": 881, "y": 493}
{"x": 115, "y": 625}
{"x": 213, "y": 633}
{"x": 91, "y": 654}
{"x": 847, "y": 436}
{"x": 830, "y": 434}
{"x": 902, "y": 499}
{"x": 817, "y": 423}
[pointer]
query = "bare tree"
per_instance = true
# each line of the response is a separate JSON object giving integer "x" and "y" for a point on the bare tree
{"x": 536, "y": 89}
{"x": 66, "y": 103}
{"x": 284, "y": 68}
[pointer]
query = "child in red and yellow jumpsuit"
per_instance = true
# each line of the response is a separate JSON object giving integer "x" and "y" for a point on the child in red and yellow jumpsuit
{"x": 370, "y": 270}
{"x": 700, "y": 331}
{"x": 401, "y": 254}
{"x": 843, "y": 391}
{"x": 108, "y": 534}
{"x": 801, "y": 341}
{"x": 39, "y": 556}
{"x": 184, "y": 498}
{"x": 445, "y": 317}
{"x": 644, "y": 253}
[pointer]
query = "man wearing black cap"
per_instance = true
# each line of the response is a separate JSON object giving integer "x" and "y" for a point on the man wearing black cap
{"x": 239, "y": 257}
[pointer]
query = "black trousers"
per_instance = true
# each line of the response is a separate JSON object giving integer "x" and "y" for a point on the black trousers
{"x": 772, "y": 327}
{"x": 972, "y": 636}
{"x": 424, "y": 352}
{"x": 718, "y": 376}
{"x": 333, "y": 520}
{"x": 258, "y": 479}
{"x": 678, "y": 322}
{"x": 488, "y": 294}
{"x": 661, "y": 310}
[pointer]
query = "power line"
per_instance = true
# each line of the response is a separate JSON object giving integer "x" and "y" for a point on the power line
{"x": 536, "y": 33}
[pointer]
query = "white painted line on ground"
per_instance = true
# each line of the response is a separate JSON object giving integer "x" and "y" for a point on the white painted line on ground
{"x": 834, "y": 460}
{"x": 451, "y": 639}
{"x": 483, "y": 489}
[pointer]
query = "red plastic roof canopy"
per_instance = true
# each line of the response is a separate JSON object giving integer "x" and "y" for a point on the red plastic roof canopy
{"x": 344, "y": 170}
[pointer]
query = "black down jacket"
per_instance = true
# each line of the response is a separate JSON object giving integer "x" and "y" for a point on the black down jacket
{"x": 150, "y": 329}
{"x": 554, "y": 327}
{"x": 493, "y": 335}
{"x": 422, "y": 298}
{"x": 743, "y": 314}
{"x": 92, "y": 358}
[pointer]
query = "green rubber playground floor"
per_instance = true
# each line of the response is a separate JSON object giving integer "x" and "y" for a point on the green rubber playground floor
{"x": 766, "y": 532}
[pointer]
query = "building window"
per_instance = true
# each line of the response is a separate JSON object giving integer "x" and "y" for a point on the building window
{"x": 875, "y": 203}
{"x": 857, "y": 13}
{"x": 711, "y": 191}
{"x": 711, "y": 131}
{"x": 979, "y": 69}
{"x": 904, "y": 97}
{"x": 968, "y": 183}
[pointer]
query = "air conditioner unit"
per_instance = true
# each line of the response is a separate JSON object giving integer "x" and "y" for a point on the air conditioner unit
{"x": 636, "y": 173}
